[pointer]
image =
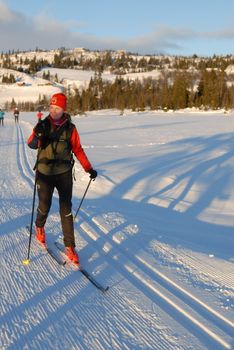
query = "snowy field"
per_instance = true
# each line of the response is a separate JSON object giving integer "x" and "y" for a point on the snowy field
{"x": 157, "y": 226}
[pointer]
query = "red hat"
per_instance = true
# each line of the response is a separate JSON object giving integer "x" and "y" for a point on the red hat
{"x": 59, "y": 100}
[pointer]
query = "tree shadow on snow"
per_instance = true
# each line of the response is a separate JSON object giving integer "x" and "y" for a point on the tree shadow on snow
{"x": 177, "y": 186}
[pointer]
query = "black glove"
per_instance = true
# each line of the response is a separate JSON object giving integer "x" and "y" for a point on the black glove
{"x": 39, "y": 129}
{"x": 93, "y": 173}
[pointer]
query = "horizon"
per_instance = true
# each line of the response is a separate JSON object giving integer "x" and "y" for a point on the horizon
{"x": 153, "y": 28}
{"x": 39, "y": 49}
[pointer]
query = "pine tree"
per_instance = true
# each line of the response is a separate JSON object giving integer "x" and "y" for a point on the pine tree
{"x": 180, "y": 93}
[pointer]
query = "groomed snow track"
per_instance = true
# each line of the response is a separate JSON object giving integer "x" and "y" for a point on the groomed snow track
{"x": 45, "y": 306}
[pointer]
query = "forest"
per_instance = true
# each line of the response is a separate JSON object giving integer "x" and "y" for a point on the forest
{"x": 184, "y": 82}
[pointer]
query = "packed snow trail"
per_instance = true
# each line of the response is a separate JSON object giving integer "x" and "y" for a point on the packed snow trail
{"x": 153, "y": 301}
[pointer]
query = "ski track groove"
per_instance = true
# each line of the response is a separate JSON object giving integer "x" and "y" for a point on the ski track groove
{"x": 9, "y": 168}
{"x": 176, "y": 286}
{"x": 38, "y": 317}
{"x": 34, "y": 319}
{"x": 127, "y": 327}
{"x": 26, "y": 318}
{"x": 25, "y": 152}
{"x": 22, "y": 160}
{"x": 123, "y": 271}
{"x": 124, "y": 327}
{"x": 130, "y": 327}
{"x": 225, "y": 324}
{"x": 193, "y": 262}
{"x": 227, "y": 278}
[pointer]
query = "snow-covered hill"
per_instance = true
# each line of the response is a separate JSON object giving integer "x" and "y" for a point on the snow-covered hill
{"x": 30, "y": 87}
{"x": 74, "y": 78}
{"x": 157, "y": 226}
{"x": 26, "y": 87}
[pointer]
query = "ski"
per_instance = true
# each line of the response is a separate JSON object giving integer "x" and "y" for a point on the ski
{"x": 55, "y": 257}
{"x": 83, "y": 271}
{"x": 93, "y": 280}
{"x": 65, "y": 261}
{"x": 47, "y": 249}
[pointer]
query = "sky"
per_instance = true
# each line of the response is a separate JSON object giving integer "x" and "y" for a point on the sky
{"x": 174, "y": 27}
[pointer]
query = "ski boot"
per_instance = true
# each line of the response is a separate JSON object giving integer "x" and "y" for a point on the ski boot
{"x": 72, "y": 255}
{"x": 40, "y": 235}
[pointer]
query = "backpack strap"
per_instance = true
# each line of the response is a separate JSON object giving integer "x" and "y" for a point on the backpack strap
{"x": 53, "y": 138}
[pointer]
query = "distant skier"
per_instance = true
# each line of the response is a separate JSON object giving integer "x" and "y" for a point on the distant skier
{"x": 16, "y": 114}
{"x": 2, "y": 117}
{"x": 39, "y": 115}
{"x": 56, "y": 139}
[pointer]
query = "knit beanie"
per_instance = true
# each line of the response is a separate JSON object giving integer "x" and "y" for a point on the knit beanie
{"x": 59, "y": 100}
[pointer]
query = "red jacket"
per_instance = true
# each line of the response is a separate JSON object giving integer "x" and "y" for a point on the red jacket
{"x": 39, "y": 115}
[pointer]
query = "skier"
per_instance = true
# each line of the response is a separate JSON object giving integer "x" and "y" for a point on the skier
{"x": 39, "y": 115}
{"x": 56, "y": 138}
{"x": 16, "y": 114}
{"x": 2, "y": 117}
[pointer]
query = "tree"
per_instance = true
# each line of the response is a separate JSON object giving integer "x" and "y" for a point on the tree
{"x": 13, "y": 104}
{"x": 180, "y": 92}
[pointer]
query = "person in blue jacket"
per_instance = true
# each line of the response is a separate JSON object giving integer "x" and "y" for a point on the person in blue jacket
{"x": 2, "y": 117}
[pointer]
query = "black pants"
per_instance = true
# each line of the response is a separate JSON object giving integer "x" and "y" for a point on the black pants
{"x": 45, "y": 187}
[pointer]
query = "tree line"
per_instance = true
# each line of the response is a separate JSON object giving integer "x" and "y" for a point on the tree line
{"x": 184, "y": 81}
{"x": 174, "y": 91}
{"x": 116, "y": 62}
{"x": 177, "y": 90}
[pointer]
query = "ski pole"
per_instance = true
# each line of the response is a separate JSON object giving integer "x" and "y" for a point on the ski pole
{"x": 26, "y": 261}
{"x": 82, "y": 199}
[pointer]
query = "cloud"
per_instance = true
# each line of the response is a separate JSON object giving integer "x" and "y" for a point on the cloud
{"x": 21, "y": 32}
{"x": 227, "y": 34}
{"x": 5, "y": 14}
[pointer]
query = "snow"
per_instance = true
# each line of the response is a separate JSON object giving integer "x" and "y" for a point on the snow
{"x": 157, "y": 226}
{"x": 74, "y": 77}
{"x": 25, "y": 93}
{"x": 27, "y": 88}
{"x": 77, "y": 79}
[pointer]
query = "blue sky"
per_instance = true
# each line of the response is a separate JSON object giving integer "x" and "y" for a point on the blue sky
{"x": 176, "y": 27}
